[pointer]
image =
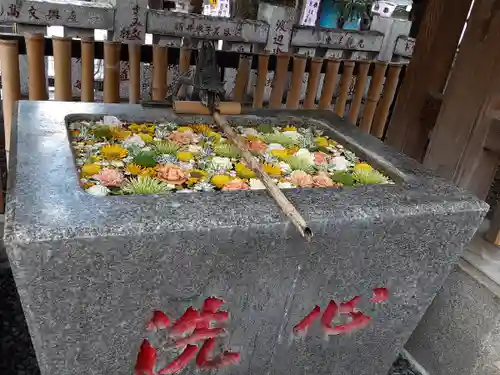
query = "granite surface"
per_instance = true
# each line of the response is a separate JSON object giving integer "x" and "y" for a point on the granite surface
{"x": 90, "y": 270}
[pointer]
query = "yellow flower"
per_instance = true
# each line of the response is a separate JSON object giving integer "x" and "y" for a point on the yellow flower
{"x": 87, "y": 184}
{"x": 363, "y": 167}
{"x": 200, "y": 128}
{"x": 289, "y": 129}
{"x": 75, "y": 132}
{"x": 134, "y": 169}
{"x": 119, "y": 134}
{"x": 198, "y": 174}
{"x": 149, "y": 172}
{"x": 191, "y": 181}
{"x": 146, "y": 137}
{"x": 271, "y": 169}
{"x": 332, "y": 142}
{"x": 211, "y": 133}
{"x": 184, "y": 129}
{"x": 243, "y": 172}
{"x": 292, "y": 150}
{"x": 95, "y": 158}
{"x": 253, "y": 138}
{"x": 321, "y": 141}
{"x": 280, "y": 154}
{"x": 220, "y": 180}
{"x": 113, "y": 152}
{"x": 90, "y": 169}
{"x": 184, "y": 156}
{"x": 150, "y": 129}
{"x": 136, "y": 128}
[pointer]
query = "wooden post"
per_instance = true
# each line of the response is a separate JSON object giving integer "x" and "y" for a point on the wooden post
{"x": 279, "y": 81}
{"x": 159, "y": 72}
{"x": 36, "y": 66}
{"x": 87, "y": 69}
{"x": 329, "y": 84}
{"x": 345, "y": 83}
{"x": 313, "y": 82}
{"x": 11, "y": 85}
{"x": 241, "y": 81}
{"x": 134, "y": 60}
{"x": 299, "y": 67}
{"x": 260, "y": 85}
{"x": 62, "y": 68}
{"x": 373, "y": 95}
{"x": 427, "y": 73}
{"x": 184, "y": 64}
{"x": 359, "y": 90}
{"x": 112, "y": 72}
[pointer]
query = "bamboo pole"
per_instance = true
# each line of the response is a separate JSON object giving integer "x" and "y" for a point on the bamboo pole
{"x": 299, "y": 67}
{"x": 260, "y": 85}
{"x": 11, "y": 85}
{"x": 184, "y": 64}
{"x": 134, "y": 61}
{"x": 313, "y": 82}
{"x": 160, "y": 68}
{"x": 112, "y": 72}
{"x": 87, "y": 83}
{"x": 242, "y": 76}
{"x": 382, "y": 112}
{"x": 329, "y": 84}
{"x": 253, "y": 163}
{"x": 37, "y": 81}
{"x": 62, "y": 69}
{"x": 345, "y": 83}
{"x": 279, "y": 80}
{"x": 361, "y": 79}
{"x": 373, "y": 95}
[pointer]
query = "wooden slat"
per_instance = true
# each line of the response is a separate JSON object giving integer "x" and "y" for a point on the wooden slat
{"x": 87, "y": 81}
{"x": 62, "y": 69}
{"x": 242, "y": 76}
{"x": 313, "y": 82}
{"x": 299, "y": 67}
{"x": 345, "y": 83}
{"x": 329, "y": 84}
{"x": 373, "y": 96}
{"x": 36, "y": 67}
{"x": 279, "y": 81}
{"x": 159, "y": 89}
{"x": 382, "y": 112}
{"x": 260, "y": 84}
{"x": 184, "y": 64}
{"x": 112, "y": 72}
{"x": 359, "y": 91}
{"x": 134, "y": 60}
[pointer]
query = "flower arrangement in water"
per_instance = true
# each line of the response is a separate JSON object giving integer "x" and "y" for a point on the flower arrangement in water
{"x": 115, "y": 158}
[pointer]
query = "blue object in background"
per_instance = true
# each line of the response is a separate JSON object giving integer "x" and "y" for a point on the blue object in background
{"x": 329, "y": 15}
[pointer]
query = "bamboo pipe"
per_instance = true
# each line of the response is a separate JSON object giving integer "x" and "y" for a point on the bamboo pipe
{"x": 241, "y": 82}
{"x": 11, "y": 85}
{"x": 329, "y": 84}
{"x": 286, "y": 206}
{"x": 359, "y": 91}
{"x": 382, "y": 112}
{"x": 134, "y": 62}
{"x": 373, "y": 95}
{"x": 345, "y": 82}
{"x": 87, "y": 83}
{"x": 279, "y": 81}
{"x": 112, "y": 72}
{"x": 260, "y": 84}
{"x": 188, "y": 107}
{"x": 299, "y": 67}
{"x": 62, "y": 69}
{"x": 37, "y": 81}
{"x": 313, "y": 82}
{"x": 159, "y": 72}
{"x": 184, "y": 64}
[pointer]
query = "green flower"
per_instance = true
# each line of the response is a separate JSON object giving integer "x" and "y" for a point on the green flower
{"x": 102, "y": 132}
{"x": 343, "y": 178}
{"x": 281, "y": 139}
{"x": 265, "y": 128}
{"x": 226, "y": 150}
{"x": 145, "y": 159}
{"x": 166, "y": 147}
{"x": 298, "y": 163}
{"x": 365, "y": 177}
{"x": 144, "y": 185}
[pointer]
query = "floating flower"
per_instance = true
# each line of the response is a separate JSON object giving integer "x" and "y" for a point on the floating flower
{"x": 166, "y": 159}
{"x": 243, "y": 171}
{"x": 220, "y": 180}
{"x": 298, "y": 163}
{"x": 120, "y": 134}
{"x": 98, "y": 190}
{"x": 184, "y": 156}
{"x": 256, "y": 146}
{"x": 322, "y": 180}
{"x": 198, "y": 174}
{"x": 235, "y": 184}
{"x": 172, "y": 174}
{"x": 320, "y": 158}
{"x": 305, "y": 154}
{"x": 281, "y": 154}
{"x": 339, "y": 163}
{"x": 220, "y": 163}
{"x": 195, "y": 149}
{"x": 285, "y": 185}
{"x": 280, "y": 138}
{"x": 149, "y": 172}
{"x": 301, "y": 179}
{"x": 293, "y": 135}
{"x": 134, "y": 169}
{"x": 133, "y": 140}
{"x": 250, "y": 132}
{"x": 90, "y": 169}
{"x": 285, "y": 167}
{"x": 109, "y": 177}
{"x": 145, "y": 159}
{"x": 203, "y": 186}
{"x": 200, "y": 128}
{"x": 182, "y": 138}
{"x": 256, "y": 184}
{"x": 275, "y": 146}
{"x": 146, "y": 137}
{"x": 321, "y": 141}
{"x": 117, "y": 163}
{"x": 226, "y": 150}
{"x": 272, "y": 169}
{"x": 113, "y": 152}
{"x": 369, "y": 177}
{"x": 365, "y": 167}
{"x": 144, "y": 185}
{"x": 289, "y": 129}
{"x": 186, "y": 165}
{"x": 265, "y": 128}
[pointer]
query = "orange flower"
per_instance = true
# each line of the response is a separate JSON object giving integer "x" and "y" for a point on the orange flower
{"x": 235, "y": 184}
{"x": 109, "y": 177}
{"x": 182, "y": 138}
{"x": 301, "y": 179}
{"x": 172, "y": 174}
{"x": 257, "y": 146}
{"x": 322, "y": 180}
{"x": 320, "y": 158}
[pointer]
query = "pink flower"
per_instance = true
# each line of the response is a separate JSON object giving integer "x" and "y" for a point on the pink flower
{"x": 235, "y": 184}
{"x": 257, "y": 146}
{"x": 322, "y": 180}
{"x": 172, "y": 174}
{"x": 320, "y": 158}
{"x": 109, "y": 177}
{"x": 301, "y": 179}
{"x": 380, "y": 295}
{"x": 183, "y": 138}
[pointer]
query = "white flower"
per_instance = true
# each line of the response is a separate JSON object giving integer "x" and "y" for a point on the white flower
{"x": 305, "y": 154}
{"x": 128, "y": 159}
{"x": 103, "y": 163}
{"x": 256, "y": 184}
{"x": 186, "y": 165}
{"x": 274, "y": 146}
{"x": 133, "y": 140}
{"x": 111, "y": 121}
{"x": 117, "y": 163}
{"x": 170, "y": 186}
{"x": 285, "y": 185}
{"x": 285, "y": 168}
{"x": 339, "y": 163}
{"x": 185, "y": 191}
{"x": 220, "y": 163}
{"x": 194, "y": 149}
{"x": 292, "y": 134}
{"x": 98, "y": 190}
{"x": 249, "y": 131}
